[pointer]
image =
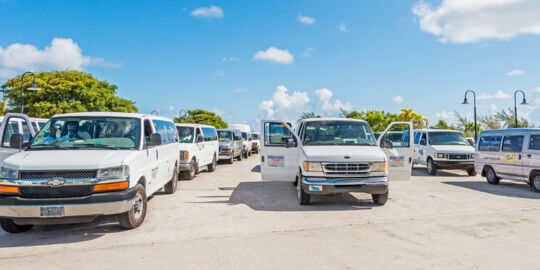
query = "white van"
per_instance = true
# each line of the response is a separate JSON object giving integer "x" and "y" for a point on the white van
{"x": 255, "y": 142}
{"x": 443, "y": 149}
{"x": 334, "y": 155}
{"x": 84, "y": 165}
{"x": 246, "y": 134}
{"x": 199, "y": 149}
{"x": 512, "y": 154}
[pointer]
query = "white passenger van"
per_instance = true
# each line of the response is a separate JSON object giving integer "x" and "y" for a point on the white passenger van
{"x": 255, "y": 142}
{"x": 512, "y": 154}
{"x": 246, "y": 134}
{"x": 334, "y": 155}
{"x": 84, "y": 165}
{"x": 199, "y": 149}
{"x": 443, "y": 149}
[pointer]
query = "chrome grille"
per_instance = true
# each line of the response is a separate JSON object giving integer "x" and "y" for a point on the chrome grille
{"x": 55, "y": 192}
{"x": 346, "y": 168}
{"x": 59, "y": 174}
{"x": 457, "y": 156}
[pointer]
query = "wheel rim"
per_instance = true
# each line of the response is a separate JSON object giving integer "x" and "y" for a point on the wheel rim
{"x": 490, "y": 175}
{"x": 138, "y": 206}
{"x": 429, "y": 166}
{"x": 536, "y": 182}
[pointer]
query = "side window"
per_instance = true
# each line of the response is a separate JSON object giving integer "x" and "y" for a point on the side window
{"x": 399, "y": 135}
{"x": 11, "y": 128}
{"x": 173, "y": 133}
{"x": 238, "y": 136}
{"x": 534, "y": 143}
{"x": 26, "y": 132}
{"x": 489, "y": 143}
{"x": 276, "y": 134}
{"x": 198, "y": 134}
{"x": 147, "y": 130}
{"x": 512, "y": 144}
{"x": 167, "y": 130}
{"x": 417, "y": 136}
{"x": 423, "y": 138}
{"x": 209, "y": 134}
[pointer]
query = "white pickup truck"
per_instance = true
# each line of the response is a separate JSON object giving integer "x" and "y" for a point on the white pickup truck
{"x": 335, "y": 155}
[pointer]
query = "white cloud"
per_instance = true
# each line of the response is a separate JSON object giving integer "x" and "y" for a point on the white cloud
{"x": 466, "y": 21}
{"x": 231, "y": 59}
{"x": 493, "y": 109}
{"x": 343, "y": 27}
{"x": 325, "y": 104}
{"x": 208, "y": 12}
{"x": 239, "y": 90}
{"x": 515, "y": 72}
{"x": 275, "y": 55}
{"x": 538, "y": 89}
{"x": 308, "y": 52}
{"x": 398, "y": 100}
{"x": 62, "y": 54}
{"x": 305, "y": 19}
{"x": 446, "y": 116}
{"x": 499, "y": 95}
{"x": 171, "y": 109}
{"x": 221, "y": 113}
{"x": 282, "y": 104}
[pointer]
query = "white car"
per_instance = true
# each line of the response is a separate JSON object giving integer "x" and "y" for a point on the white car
{"x": 443, "y": 149}
{"x": 255, "y": 142}
{"x": 84, "y": 165}
{"x": 246, "y": 134}
{"x": 199, "y": 149}
{"x": 334, "y": 155}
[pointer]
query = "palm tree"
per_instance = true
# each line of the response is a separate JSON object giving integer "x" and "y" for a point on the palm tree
{"x": 507, "y": 117}
{"x": 306, "y": 115}
{"x": 408, "y": 115}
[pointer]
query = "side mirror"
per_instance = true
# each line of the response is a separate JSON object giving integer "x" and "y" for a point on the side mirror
{"x": 290, "y": 143}
{"x": 16, "y": 141}
{"x": 155, "y": 139}
{"x": 387, "y": 144}
{"x": 422, "y": 141}
{"x": 200, "y": 138}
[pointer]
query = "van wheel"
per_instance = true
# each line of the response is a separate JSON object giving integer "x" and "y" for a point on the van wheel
{"x": 240, "y": 156}
{"x": 246, "y": 154}
{"x": 535, "y": 182}
{"x": 189, "y": 175}
{"x": 430, "y": 167}
{"x": 491, "y": 176}
{"x": 170, "y": 187}
{"x": 11, "y": 227}
{"x": 380, "y": 199}
{"x": 471, "y": 172}
{"x": 303, "y": 197}
{"x": 231, "y": 161}
{"x": 249, "y": 153}
{"x": 135, "y": 217}
{"x": 212, "y": 166}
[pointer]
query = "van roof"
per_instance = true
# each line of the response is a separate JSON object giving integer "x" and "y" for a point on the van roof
{"x": 113, "y": 114}
{"x": 331, "y": 119}
{"x": 511, "y": 131}
{"x": 192, "y": 125}
{"x": 438, "y": 130}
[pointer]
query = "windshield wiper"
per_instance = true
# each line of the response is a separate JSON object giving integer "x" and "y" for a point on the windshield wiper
{"x": 103, "y": 146}
{"x": 49, "y": 146}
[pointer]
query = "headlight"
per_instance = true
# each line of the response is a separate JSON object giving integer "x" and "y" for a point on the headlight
{"x": 114, "y": 171}
{"x": 9, "y": 173}
{"x": 379, "y": 166}
{"x": 310, "y": 166}
{"x": 184, "y": 155}
{"x": 440, "y": 155}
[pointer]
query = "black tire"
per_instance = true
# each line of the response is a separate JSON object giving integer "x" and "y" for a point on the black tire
{"x": 535, "y": 182}
{"x": 431, "y": 167}
{"x": 471, "y": 172}
{"x": 11, "y": 227}
{"x": 491, "y": 176}
{"x": 212, "y": 166}
{"x": 190, "y": 174}
{"x": 135, "y": 217}
{"x": 246, "y": 155}
{"x": 249, "y": 153}
{"x": 231, "y": 161}
{"x": 171, "y": 187}
{"x": 303, "y": 197}
{"x": 380, "y": 199}
{"x": 240, "y": 156}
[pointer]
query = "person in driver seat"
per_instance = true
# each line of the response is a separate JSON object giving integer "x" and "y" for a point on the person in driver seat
{"x": 72, "y": 128}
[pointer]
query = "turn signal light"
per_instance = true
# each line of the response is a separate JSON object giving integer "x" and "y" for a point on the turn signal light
{"x": 113, "y": 186}
{"x": 225, "y": 150}
{"x": 9, "y": 189}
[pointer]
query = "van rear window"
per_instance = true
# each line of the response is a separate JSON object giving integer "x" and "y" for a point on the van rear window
{"x": 490, "y": 143}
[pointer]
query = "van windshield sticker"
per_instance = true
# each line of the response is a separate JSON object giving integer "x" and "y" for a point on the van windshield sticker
{"x": 276, "y": 161}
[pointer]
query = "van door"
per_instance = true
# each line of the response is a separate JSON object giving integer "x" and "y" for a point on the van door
{"x": 531, "y": 158}
{"x": 14, "y": 123}
{"x": 401, "y": 155}
{"x": 152, "y": 166}
{"x": 512, "y": 166}
{"x": 201, "y": 158}
{"x": 279, "y": 162}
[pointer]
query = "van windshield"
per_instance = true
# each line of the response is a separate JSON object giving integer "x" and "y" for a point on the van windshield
{"x": 244, "y": 135}
{"x": 89, "y": 132}
{"x": 255, "y": 136}
{"x": 447, "y": 138}
{"x": 225, "y": 135}
{"x": 337, "y": 133}
{"x": 186, "y": 134}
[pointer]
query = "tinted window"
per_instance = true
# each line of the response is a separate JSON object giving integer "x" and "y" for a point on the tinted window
{"x": 255, "y": 136}
{"x": 512, "y": 143}
{"x": 417, "y": 136}
{"x": 209, "y": 134}
{"x": 225, "y": 135}
{"x": 338, "y": 133}
{"x": 167, "y": 130}
{"x": 11, "y": 128}
{"x": 489, "y": 143}
{"x": 534, "y": 143}
{"x": 276, "y": 134}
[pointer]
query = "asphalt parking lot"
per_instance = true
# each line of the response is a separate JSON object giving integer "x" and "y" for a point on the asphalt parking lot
{"x": 231, "y": 219}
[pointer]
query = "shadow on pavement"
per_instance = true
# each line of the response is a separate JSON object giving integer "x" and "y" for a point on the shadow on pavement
{"x": 281, "y": 196}
{"x": 504, "y": 188}
{"x": 256, "y": 168}
{"x": 421, "y": 171}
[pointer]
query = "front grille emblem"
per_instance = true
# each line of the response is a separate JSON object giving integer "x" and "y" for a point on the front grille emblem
{"x": 56, "y": 182}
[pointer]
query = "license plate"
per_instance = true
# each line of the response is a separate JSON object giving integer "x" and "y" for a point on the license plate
{"x": 315, "y": 188}
{"x": 51, "y": 211}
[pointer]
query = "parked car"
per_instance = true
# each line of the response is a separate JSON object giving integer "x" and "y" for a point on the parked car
{"x": 230, "y": 144}
{"x": 84, "y": 165}
{"x": 199, "y": 149}
{"x": 15, "y": 123}
{"x": 334, "y": 155}
{"x": 512, "y": 154}
{"x": 255, "y": 142}
{"x": 443, "y": 149}
{"x": 246, "y": 134}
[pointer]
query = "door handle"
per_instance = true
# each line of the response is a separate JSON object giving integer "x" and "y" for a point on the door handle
{"x": 157, "y": 154}
{"x": 410, "y": 159}
{"x": 519, "y": 156}
{"x": 529, "y": 155}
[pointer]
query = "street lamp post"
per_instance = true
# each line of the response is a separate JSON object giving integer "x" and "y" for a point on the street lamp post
{"x": 34, "y": 87}
{"x": 465, "y": 102}
{"x": 181, "y": 113}
{"x": 154, "y": 111}
{"x": 524, "y": 102}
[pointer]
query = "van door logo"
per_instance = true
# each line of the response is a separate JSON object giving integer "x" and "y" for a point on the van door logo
{"x": 346, "y": 157}
{"x": 56, "y": 182}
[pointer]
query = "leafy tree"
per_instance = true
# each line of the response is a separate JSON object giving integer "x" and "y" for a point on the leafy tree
{"x": 490, "y": 122}
{"x": 377, "y": 120}
{"x": 306, "y": 115}
{"x": 442, "y": 125}
{"x": 65, "y": 92}
{"x": 408, "y": 115}
{"x": 507, "y": 117}
{"x": 199, "y": 116}
{"x": 466, "y": 126}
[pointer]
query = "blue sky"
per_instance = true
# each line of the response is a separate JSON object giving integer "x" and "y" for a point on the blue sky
{"x": 249, "y": 60}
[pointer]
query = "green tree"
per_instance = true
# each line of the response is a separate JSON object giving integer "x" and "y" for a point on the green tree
{"x": 377, "y": 120}
{"x": 466, "y": 126}
{"x": 65, "y": 92}
{"x": 507, "y": 117}
{"x": 306, "y": 115}
{"x": 490, "y": 122}
{"x": 408, "y": 115}
{"x": 442, "y": 125}
{"x": 199, "y": 116}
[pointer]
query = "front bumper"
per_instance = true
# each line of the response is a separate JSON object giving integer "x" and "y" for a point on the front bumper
{"x": 454, "y": 164}
{"x": 184, "y": 166}
{"x": 107, "y": 203}
{"x": 371, "y": 185}
{"x": 225, "y": 155}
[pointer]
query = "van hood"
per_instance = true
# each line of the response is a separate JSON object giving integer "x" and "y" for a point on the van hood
{"x": 458, "y": 149}
{"x": 337, "y": 153}
{"x": 66, "y": 159}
